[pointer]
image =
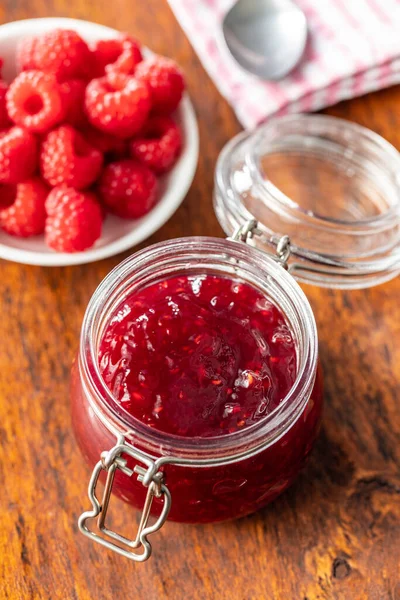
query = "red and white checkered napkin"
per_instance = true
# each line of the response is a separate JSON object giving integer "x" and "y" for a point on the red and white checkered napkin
{"x": 353, "y": 48}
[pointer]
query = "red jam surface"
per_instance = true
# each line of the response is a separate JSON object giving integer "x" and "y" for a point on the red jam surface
{"x": 201, "y": 356}
{"x": 198, "y": 356}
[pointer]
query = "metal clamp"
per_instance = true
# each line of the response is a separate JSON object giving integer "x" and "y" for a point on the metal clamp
{"x": 246, "y": 231}
{"x": 249, "y": 229}
{"x": 150, "y": 477}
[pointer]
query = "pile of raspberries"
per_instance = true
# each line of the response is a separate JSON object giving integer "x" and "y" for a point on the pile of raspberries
{"x": 84, "y": 130}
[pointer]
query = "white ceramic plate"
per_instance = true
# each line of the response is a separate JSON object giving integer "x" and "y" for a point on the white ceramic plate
{"x": 118, "y": 234}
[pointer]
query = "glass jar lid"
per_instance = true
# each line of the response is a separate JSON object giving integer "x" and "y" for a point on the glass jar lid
{"x": 330, "y": 185}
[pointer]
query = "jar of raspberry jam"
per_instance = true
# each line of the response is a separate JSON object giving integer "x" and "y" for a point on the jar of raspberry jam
{"x": 196, "y": 394}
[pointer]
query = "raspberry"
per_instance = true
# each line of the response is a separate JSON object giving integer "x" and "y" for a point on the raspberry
{"x": 18, "y": 155}
{"x": 34, "y": 101}
{"x": 119, "y": 107}
{"x": 128, "y": 188}
{"x": 122, "y": 54}
{"x": 158, "y": 144}
{"x": 60, "y": 51}
{"x": 26, "y": 60}
{"x": 25, "y": 214}
{"x": 165, "y": 80}
{"x": 67, "y": 158}
{"x": 73, "y": 92}
{"x": 112, "y": 147}
{"x": 74, "y": 219}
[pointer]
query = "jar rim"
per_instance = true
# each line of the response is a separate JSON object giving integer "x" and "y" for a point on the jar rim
{"x": 343, "y": 269}
{"x": 114, "y": 288}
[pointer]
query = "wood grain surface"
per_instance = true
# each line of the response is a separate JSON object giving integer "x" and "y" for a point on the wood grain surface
{"x": 334, "y": 535}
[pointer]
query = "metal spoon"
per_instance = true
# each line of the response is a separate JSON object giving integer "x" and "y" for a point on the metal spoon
{"x": 266, "y": 37}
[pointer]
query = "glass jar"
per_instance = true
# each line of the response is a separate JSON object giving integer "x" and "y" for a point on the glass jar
{"x": 332, "y": 186}
{"x": 210, "y": 479}
{"x": 305, "y": 197}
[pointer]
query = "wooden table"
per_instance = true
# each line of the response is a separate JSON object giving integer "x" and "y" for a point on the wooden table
{"x": 334, "y": 535}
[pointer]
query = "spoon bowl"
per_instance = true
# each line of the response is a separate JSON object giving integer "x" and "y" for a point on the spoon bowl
{"x": 265, "y": 37}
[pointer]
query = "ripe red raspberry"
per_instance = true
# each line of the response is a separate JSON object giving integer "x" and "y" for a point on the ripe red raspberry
{"x": 74, "y": 219}
{"x": 26, "y": 60}
{"x": 119, "y": 107}
{"x": 67, "y": 158}
{"x": 24, "y": 214}
{"x": 18, "y": 155}
{"x": 122, "y": 53}
{"x": 73, "y": 93}
{"x": 165, "y": 80}
{"x": 158, "y": 144}
{"x": 34, "y": 100}
{"x": 128, "y": 188}
{"x": 112, "y": 147}
{"x": 60, "y": 51}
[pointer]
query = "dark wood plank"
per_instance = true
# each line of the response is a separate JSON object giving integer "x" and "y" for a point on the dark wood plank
{"x": 334, "y": 535}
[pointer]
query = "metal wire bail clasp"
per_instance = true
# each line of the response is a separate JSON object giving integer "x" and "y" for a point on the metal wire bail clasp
{"x": 250, "y": 228}
{"x": 246, "y": 231}
{"x": 150, "y": 477}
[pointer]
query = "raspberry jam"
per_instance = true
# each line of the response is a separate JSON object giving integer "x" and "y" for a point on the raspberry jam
{"x": 198, "y": 356}
{"x": 204, "y": 352}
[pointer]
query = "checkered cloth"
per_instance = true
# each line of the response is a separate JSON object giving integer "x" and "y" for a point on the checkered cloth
{"x": 353, "y": 48}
